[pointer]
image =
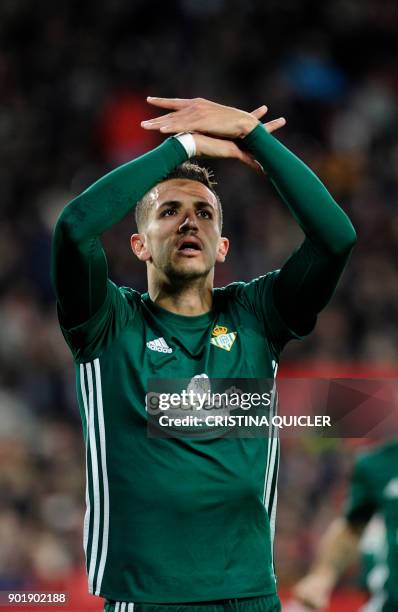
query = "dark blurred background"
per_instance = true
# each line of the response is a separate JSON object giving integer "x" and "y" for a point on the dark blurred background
{"x": 73, "y": 81}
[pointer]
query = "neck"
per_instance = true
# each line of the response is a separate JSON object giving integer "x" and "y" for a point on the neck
{"x": 190, "y": 298}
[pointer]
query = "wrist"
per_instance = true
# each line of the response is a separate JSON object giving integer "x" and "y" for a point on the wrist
{"x": 327, "y": 575}
{"x": 248, "y": 124}
{"x": 187, "y": 140}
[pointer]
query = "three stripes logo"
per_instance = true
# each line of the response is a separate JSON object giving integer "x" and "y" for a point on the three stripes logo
{"x": 160, "y": 345}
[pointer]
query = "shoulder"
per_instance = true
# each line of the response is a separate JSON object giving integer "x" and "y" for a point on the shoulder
{"x": 90, "y": 338}
{"x": 244, "y": 290}
{"x": 379, "y": 450}
{"x": 256, "y": 297}
{"x": 380, "y": 453}
{"x": 121, "y": 302}
{"x": 372, "y": 459}
{"x": 131, "y": 296}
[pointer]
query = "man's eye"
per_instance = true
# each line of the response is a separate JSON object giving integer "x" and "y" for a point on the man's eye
{"x": 205, "y": 213}
{"x": 168, "y": 212}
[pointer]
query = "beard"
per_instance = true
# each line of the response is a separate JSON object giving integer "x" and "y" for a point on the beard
{"x": 184, "y": 270}
{"x": 185, "y": 274}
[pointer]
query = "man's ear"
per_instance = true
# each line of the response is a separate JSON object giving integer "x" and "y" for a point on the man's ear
{"x": 138, "y": 246}
{"x": 222, "y": 251}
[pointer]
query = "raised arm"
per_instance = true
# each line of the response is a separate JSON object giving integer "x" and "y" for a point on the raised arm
{"x": 308, "y": 279}
{"x": 78, "y": 265}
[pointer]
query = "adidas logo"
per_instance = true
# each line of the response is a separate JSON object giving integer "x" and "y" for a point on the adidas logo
{"x": 159, "y": 345}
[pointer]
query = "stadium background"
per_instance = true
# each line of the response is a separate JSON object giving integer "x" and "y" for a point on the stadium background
{"x": 73, "y": 79}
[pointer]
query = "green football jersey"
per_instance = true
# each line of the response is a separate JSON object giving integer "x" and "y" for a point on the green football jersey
{"x": 183, "y": 520}
{"x": 175, "y": 520}
{"x": 374, "y": 489}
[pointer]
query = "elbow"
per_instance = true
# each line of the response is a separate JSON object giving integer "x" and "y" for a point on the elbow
{"x": 61, "y": 225}
{"x": 63, "y": 229}
{"x": 349, "y": 240}
{"x": 345, "y": 242}
{"x": 66, "y": 225}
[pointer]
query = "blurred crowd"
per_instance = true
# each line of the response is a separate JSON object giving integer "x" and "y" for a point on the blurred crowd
{"x": 73, "y": 82}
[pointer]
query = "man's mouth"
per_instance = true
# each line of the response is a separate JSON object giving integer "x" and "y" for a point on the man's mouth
{"x": 190, "y": 246}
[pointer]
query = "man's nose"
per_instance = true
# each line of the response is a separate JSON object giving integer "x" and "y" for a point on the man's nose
{"x": 189, "y": 222}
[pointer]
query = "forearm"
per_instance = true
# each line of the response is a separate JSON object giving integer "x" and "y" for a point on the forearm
{"x": 110, "y": 198}
{"x": 321, "y": 219}
{"x": 338, "y": 549}
{"x": 78, "y": 265}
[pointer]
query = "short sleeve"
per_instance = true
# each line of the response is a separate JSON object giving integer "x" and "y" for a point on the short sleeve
{"x": 361, "y": 504}
{"x": 87, "y": 340}
{"x": 258, "y": 297}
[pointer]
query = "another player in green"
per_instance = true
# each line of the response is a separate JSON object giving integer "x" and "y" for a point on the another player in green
{"x": 185, "y": 523}
{"x": 374, "y": 490}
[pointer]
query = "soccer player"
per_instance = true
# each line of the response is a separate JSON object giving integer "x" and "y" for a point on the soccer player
{"x": 373, "y": 491}
{"x": 185, "y": 523}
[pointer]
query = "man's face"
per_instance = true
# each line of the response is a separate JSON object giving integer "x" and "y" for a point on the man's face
{"x": 182, "y": 235}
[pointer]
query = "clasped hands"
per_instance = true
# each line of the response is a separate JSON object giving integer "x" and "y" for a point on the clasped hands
{"x": 216, "y": 128}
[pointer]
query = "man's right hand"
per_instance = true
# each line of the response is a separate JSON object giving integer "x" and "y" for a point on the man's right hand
{"x": 209, "y": 146}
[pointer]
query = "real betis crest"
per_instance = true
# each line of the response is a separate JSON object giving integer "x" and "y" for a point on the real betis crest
{"x": 222, "y": 338}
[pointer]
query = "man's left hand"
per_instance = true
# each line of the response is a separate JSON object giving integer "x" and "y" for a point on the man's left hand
{"x": 206, "y": 117}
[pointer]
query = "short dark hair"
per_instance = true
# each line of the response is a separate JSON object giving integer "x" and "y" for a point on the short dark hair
{"x": 189, "y": 171}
